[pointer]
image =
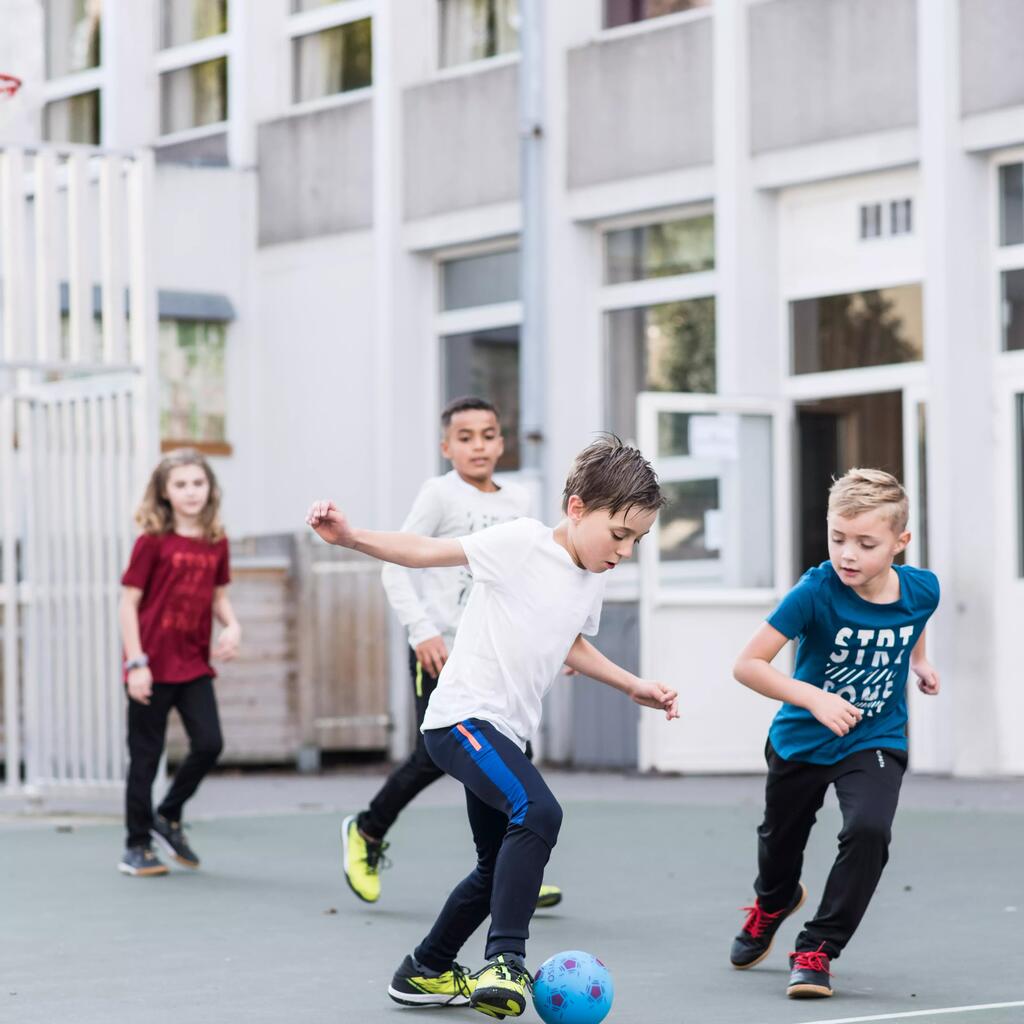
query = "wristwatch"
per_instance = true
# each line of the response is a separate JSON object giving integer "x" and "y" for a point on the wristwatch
{"x": 140, "y": 662}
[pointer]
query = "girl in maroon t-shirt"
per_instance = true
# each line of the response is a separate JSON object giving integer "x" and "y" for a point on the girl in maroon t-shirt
{"x": 176, "y": 582}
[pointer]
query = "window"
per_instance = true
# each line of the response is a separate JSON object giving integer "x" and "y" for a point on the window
{"x": 1013, "y": 310}
{"x": 335, "y": 60}
{"x": 194, "y": 96}
{"x": 901, "y": 212}
{"x": 75, "y": 119}
{"x": 1011, "y": 204}
{"x": 486, "y": 363}
{"x": 480, "y": 280}
{"x": 880, "y": 220}
{"x": 478, "y": 324}
{"x": 871, "y": 220}
{"x": 72, "y": 36}
{"x": 624, "y": 12}
{"x": 184, "y": 21}
{"x": 684, "y": 246}
{"x": 714, "y": 468}
{"x": 869, "y": 328}
{"x": 192, "y": 381}
{"x": 476, "y": 29}
{"x": 667, "y": 347}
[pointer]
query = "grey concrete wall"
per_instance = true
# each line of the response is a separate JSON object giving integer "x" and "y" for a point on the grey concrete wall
{"x": 991, "y": 54}
{"x": 316, "y": 174}
{"x": 640, "y": 104}
{"x": 829, "y": 69}
{"x": 209, "y": 151}
{"x": 461, "y": 142}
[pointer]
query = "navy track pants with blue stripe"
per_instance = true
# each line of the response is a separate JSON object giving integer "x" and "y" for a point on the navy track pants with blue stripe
{"x": 515, "y": 821}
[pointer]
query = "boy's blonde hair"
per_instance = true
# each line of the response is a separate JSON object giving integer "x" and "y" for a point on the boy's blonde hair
{"x": 155, "y": 515}
{"x": 870, "y": 490}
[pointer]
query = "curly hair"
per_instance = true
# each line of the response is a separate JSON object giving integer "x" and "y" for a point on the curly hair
{"x": 155, "y": 515}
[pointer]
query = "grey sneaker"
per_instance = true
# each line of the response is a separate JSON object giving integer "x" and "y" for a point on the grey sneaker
{"x": 141, "y": 860}
{"x": 171, "y": 836}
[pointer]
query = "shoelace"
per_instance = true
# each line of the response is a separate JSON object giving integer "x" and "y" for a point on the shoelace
{"x": 758, "y": 920}
{"x": 375, "y": 859}
{"x": 812, "y": 960}
{"x": 461, "y": 977}
{"x": 509, "y": 972}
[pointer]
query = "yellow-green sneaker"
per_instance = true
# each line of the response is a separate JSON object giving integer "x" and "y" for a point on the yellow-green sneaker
{"x": 549, "y": 896}
{"x": 362, "y": 860}
{"x": 411, "y": 987}
{"x": 500, "y": 988}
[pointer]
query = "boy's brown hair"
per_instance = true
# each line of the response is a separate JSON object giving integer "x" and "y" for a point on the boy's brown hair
{"x": 611, "y": 475}
{"x": 870, "y": 490}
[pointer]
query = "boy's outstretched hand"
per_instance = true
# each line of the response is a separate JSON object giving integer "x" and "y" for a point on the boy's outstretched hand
{"x": 654, "y": 695}
{"x": 329, "y": 523}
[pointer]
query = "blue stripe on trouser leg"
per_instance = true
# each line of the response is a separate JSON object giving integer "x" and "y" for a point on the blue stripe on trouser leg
{"x": 515, "y": 821}
{"x": 495, "y": 769}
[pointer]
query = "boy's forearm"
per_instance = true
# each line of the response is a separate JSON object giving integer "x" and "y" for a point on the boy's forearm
{"x": 410, "y": 550}
{"x": 762, "y": 678}
{"x": 586, "y": 659}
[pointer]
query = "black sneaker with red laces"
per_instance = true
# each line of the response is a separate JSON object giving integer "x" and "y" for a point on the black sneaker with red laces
{"x": 809, "y": 974}
{"x": 754, "y": 941}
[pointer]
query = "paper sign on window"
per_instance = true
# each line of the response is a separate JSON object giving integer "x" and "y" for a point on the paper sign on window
{"x": 715, "y": 437}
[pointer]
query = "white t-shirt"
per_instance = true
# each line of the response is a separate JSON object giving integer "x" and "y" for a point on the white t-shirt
{"x": 430, "y": 602}
{"x": 529, "y": 603}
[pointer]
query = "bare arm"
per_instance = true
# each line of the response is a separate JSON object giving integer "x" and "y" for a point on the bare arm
{"x": 406, "y": 549}
{"x": 140, "y": 680}
{"x": 128, "y": 613}
{"x": 586, "y": 659}
{"x": 231, "y": 636}
{"x": 927, "y": 677}
{"x": 222, "y": 609}
{"x": 753, "y": 669}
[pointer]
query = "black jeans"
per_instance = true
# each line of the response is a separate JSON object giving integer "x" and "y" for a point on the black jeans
{"x": 868, "y": 787}
{"x": 515, "y": 821}
{"x": 147, "y": 731}
{"x": 414, "y": 774}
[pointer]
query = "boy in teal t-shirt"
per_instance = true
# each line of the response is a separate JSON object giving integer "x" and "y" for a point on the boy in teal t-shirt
{"x": 859, "y": 621}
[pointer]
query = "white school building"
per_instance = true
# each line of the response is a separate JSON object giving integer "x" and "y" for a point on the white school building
{"x": 780, "y": 238}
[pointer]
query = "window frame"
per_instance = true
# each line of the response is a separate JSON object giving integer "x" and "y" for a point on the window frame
{"x": 182, "y": 57}
{"x": 471, "y": 318}
{"x": 1004, "y": 258}
{"x": 603, "y": 32}
{"x": 442, "y": 71}
{"x": 651, "y": 291}
{"x": 77, "y": 83}
{"x": 320, "y": 19}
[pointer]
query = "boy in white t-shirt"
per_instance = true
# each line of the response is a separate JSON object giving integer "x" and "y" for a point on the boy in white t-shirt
{"x": 429, "y": 603}
{"x": 536, "y": 591}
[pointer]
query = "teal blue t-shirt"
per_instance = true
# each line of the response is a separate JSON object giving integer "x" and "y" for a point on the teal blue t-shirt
{"x": 855, "y": 648}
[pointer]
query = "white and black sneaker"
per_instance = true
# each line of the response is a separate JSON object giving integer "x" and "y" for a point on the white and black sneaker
{"x": 141, "y": 860}
{"x": 171, "y": 836}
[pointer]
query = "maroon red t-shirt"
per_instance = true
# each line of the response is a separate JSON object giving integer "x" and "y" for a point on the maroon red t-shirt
{"x": 177, "y": 576}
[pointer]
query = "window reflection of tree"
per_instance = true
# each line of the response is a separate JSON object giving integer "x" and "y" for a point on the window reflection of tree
{"x": 681, "y": 346}
{"x": 866, "y": 328}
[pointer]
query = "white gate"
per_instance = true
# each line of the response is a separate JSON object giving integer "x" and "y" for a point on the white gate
{"x": 77, "y": 435}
